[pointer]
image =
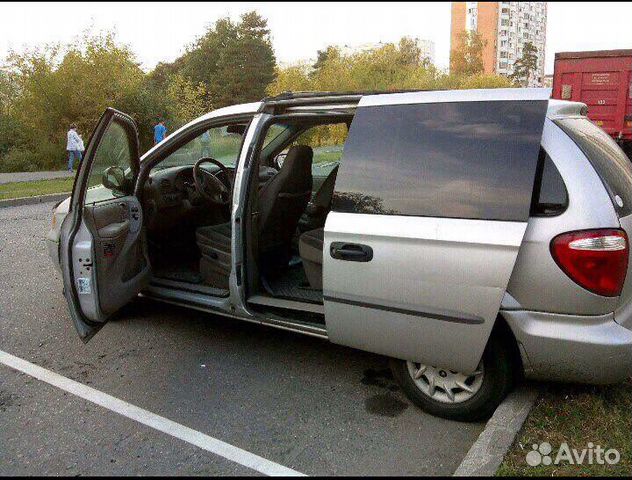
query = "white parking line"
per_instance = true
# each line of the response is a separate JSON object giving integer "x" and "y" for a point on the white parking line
{"x": 162, "y": 424}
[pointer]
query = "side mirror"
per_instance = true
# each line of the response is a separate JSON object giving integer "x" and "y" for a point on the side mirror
{"x": 114, "y": 179}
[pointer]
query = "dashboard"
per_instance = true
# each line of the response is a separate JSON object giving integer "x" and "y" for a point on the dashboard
{"x": 170, "y": 197}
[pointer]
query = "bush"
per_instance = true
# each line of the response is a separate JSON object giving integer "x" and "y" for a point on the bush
{"x": 45, "y": 156}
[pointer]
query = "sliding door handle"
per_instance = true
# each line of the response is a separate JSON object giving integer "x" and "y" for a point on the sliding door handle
{"x": 351, "y": 252}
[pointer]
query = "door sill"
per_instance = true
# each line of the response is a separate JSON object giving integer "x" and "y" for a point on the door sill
{"x": 266, "y": 301}
{"x": 189, "y": 287}
{"x": 269, "y": 319}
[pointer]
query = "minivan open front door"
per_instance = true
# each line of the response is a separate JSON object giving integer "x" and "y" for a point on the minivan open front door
{"x": 430, "y": 207}
{"x": 102, "y": 250}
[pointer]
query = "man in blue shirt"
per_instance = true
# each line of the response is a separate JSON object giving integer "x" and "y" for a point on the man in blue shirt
{"x": 159, "y": 132}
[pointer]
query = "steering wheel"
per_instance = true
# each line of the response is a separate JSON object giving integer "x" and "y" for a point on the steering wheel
{"x": 210, "y": 185}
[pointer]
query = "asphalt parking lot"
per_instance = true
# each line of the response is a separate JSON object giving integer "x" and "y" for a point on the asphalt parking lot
{"x": 300, "y": 402}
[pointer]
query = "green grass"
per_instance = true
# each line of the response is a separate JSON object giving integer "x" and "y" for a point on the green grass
{"x": 32, "y": 189}
{"x": 326, "y": 157}
{"x": 576, "y": 415}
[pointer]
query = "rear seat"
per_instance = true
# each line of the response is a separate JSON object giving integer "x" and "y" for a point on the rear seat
{"x": 310, "y": 247}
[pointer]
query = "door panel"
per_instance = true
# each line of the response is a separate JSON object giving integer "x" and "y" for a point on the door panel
{"x": 103, "y": 252}
{"x": 119, "y": 257}
{"x": 430, "y": 207}
{"x": 430, "y": 292}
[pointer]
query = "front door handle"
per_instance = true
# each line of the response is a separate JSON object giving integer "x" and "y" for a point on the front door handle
{"x": 351, "y": 252}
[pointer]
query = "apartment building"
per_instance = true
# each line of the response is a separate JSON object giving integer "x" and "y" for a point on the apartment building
{"x": 505, "y": 27}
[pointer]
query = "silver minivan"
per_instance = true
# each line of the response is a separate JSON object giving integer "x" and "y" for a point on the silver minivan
{"x": 474, "y": 237}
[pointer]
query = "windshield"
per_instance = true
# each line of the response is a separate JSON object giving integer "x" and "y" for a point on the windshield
{"x": 221, "y": 143}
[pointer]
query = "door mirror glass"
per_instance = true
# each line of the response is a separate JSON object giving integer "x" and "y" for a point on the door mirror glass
{"x": 114, "y": 179}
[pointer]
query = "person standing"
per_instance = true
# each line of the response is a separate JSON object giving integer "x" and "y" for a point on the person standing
{"x": 74, "y": 146}
{"x": 159, "y": 132}
{"x": 206, "y": 144}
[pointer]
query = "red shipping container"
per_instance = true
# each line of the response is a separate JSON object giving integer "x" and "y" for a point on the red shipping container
{"x": 603, "y": 81}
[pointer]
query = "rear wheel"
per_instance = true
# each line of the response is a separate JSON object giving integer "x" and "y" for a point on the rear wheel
{"x": 460, "y": 396}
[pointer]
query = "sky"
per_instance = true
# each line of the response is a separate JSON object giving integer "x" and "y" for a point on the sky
{"x": 161, "y": 31}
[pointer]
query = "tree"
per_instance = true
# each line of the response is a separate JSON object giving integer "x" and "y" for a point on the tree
{"x": 526, "y": 67}
{"x": 185, "y": 100}
{"x": 467, "y": 57}
{"x": 9, "y": 125}
{"x": 57, "y": 85}
{"x": 391, "y": 67}
{"x": 43, "y": 91}
{"x": 322, "y": 56}
{"x": 409, "y": 51}
{"x": 234, "y": 61}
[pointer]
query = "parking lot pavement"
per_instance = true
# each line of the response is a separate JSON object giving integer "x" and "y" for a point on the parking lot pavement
{"x": 303, "y": 403}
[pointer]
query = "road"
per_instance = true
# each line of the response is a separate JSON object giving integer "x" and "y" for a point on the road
{"x": 301, "y": 402}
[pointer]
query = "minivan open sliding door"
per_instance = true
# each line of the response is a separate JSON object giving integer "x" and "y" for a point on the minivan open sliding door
{"x": 430, "y": 207}
{"x": 103, "y": 257}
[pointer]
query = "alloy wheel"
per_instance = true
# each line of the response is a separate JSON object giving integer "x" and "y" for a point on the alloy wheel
{"x": 446, "y": 386}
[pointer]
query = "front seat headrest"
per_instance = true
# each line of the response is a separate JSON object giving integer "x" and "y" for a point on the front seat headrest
{"x": 298, "y": 160}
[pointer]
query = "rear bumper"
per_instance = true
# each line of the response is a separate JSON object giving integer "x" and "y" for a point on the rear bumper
{"x": 568, "y": 348}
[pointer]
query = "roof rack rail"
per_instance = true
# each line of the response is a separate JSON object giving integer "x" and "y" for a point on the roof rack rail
{"x": 307, "y": 94}
{"x": 295, "y": 99}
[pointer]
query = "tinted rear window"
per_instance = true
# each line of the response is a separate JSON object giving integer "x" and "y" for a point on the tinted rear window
{"x": 460, "y": 160}
{"x": 550, "y": 196}
{"x": 608, "y": 160}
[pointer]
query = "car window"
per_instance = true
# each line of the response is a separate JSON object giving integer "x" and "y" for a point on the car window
{"x": 327, "y": 142}
{"x": 113, "y": 150}
{"x": 606, "y": 157}
{"x": 550, "y": 196}
{"x": 473, "y": 160}
{"x": 219, "y": 143}
{"x": 275, "y": 131}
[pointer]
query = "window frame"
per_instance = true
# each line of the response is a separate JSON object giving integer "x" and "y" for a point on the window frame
{"x": 134, "y": 158}
{"x": 182, "y": 137}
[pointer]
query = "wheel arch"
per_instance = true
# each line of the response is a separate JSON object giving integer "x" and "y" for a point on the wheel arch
{"x": 503, "y": 329}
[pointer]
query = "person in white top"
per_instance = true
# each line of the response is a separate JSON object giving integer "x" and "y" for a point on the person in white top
{"x": 74, "y": 146}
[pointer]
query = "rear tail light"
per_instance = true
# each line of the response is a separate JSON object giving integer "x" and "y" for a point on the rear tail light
{"x": 594, "y": 259}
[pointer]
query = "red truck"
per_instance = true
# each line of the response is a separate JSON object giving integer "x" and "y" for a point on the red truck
{"x": 603, "y": 81}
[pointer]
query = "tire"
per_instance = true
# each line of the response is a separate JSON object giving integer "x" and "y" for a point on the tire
{"x": 498, "y": 374}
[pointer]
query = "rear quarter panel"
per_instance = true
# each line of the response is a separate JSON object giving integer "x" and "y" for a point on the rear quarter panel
{"x": 537, "y": 283}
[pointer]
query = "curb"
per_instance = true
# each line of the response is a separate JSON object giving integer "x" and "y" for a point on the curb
{"x": 488, "y": 451}
{"x": 18, "y": 202}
